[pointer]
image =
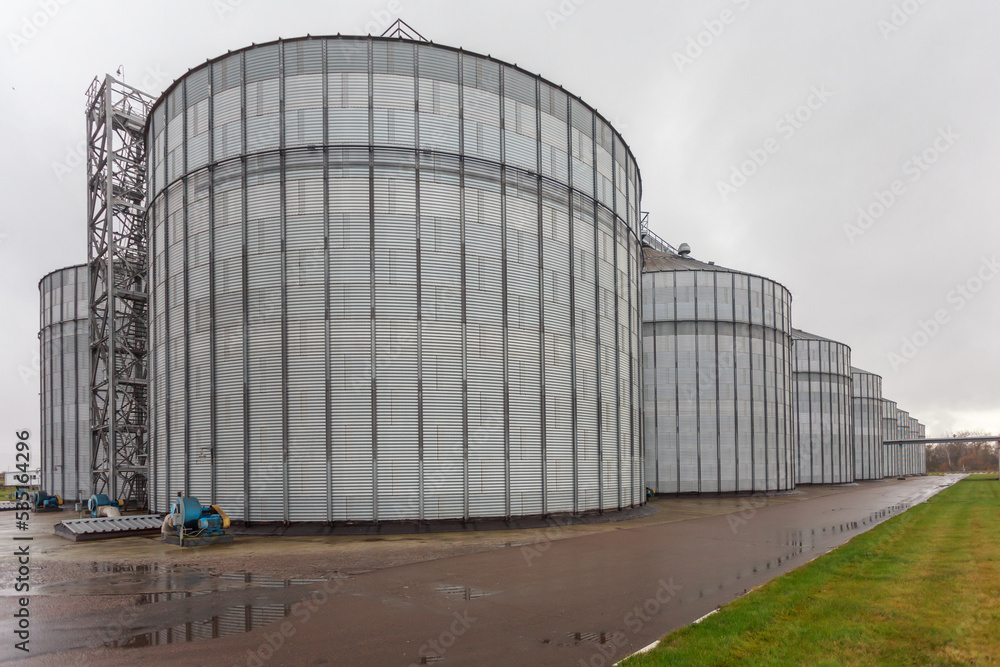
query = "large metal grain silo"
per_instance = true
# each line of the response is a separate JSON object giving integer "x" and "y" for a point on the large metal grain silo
{"x": 392, "y": 280}
{"x": 717, "y": 378}
{"x": 902, "y": 453}
{"x": 823, "y": 398}
{"x": 866, "y": 389}
{"x": 890, "y": 431}
{"x": 903, "y": 433}
{"x": 913, "y": 449}
{"x": 64, "y": 359}
{"x": 922, "y": 450}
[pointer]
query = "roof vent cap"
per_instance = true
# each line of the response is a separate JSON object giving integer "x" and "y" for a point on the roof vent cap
{"x": 684, "y": 250}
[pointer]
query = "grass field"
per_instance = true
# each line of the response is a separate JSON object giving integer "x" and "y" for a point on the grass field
{"x": 921, "y": 589}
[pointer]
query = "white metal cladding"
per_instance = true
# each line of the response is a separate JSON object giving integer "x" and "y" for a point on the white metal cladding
{"x": 391, "y": 281}
{"x": 914, "y": 449}
{"x": 824, "y": 430}
{"x": 911, "y": 457}
{"x": 890, "y": 431}
{"x": 921, "y": 452}
{"x": 867, "y": 392}
{"x": 718, "y": 411}
{"x": 65, "y": 383}
{"x": 903, "y": 453}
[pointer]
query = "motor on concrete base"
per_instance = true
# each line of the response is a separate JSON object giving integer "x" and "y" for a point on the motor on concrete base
{"x": 101, "y": 505}
{"x": 43, "y": 502}
{"x": 190, "y": 524}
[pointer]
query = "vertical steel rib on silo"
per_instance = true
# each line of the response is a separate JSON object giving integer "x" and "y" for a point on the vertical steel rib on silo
{"x": 245, "y": 287}
{"x": 466, "y": 512}
{"x": 505, "y": 295}
{"x": 541, "y": 298}
{"x": 212, "y": 327}
{"x": 327, "y": 371}
{"x": 597, "y": 320}
{"x": 574, "y": 395}
{"x": 371, "y": 279}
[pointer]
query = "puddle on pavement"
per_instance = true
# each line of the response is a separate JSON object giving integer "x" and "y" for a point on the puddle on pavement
{"x": 233, "y": 621}
{"x": 802, "y": 541}
{"x": 463, "y": 592}
{"x": 806, "y": 540}
{"x": 115, "y": 568}
{"x": 589, "y": 637}
{"x": 117, "y": 579}
{"x": 577, "y": 638}
{"x": 177, "y": 615}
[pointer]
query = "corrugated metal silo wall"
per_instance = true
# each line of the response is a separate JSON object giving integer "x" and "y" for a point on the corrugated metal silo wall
{"x": 822, "y": 380}
{"x": 890, "y": 431}
{"x": 65, "y": 383}
{"x": 717, "y": 363}
{"x": 903, "y": 451}
{"x": 922, "y": 454}
{"x": 362, "y": 311}
{"x": 867, "y": 418}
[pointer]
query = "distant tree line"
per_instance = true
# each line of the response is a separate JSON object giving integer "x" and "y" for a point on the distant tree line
{"x": 962, "y": 456}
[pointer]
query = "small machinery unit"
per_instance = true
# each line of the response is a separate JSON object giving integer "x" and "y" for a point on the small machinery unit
{"x": 41, "y": 501}
{"x": 100, "y": 505}
{"x": 190, "y": 524}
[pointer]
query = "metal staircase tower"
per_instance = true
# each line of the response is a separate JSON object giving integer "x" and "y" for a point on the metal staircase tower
{"x": 117, "y": 255}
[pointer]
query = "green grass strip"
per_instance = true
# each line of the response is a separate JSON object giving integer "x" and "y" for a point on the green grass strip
{"x": 923, "y": 588}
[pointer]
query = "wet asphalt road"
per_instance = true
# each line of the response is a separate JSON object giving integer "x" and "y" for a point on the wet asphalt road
{"x": 588, "y": 600}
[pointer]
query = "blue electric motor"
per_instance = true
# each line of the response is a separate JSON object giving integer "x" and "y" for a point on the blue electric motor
{"x": 43, "y": 501}
{"x": 187, "y": 512}
{"x": 99, "y": 500}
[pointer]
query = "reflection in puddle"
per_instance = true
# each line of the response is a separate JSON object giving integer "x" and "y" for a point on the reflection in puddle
{"x": 463, "y": 592}
{"x": 233, "y": 621}
{"x": 115, "y": 568}
{"x": 802, "y": 539}
{"x": 116, "y": 579}
{"x": 589, "y": 637}
{"x": 577, "y": 638}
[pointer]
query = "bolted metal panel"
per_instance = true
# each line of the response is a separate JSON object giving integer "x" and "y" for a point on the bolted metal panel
{"x": 868, "y": 434}
{"x": 402, "y": 276}
{"x": 824, "y": 406}
{"x": 716, "y": 378}
{"x": 64, "y": 360}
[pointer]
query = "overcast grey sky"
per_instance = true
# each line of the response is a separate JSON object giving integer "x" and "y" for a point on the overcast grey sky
{"x": 763, "y": 128}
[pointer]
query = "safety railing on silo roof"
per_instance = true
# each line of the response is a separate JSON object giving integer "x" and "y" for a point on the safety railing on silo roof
{"x": 648, "y": 238}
